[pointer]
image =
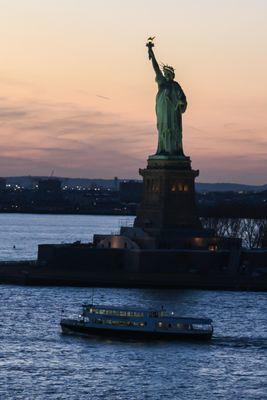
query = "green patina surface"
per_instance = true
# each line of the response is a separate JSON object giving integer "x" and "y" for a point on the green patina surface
{"x": 170, "y": 104}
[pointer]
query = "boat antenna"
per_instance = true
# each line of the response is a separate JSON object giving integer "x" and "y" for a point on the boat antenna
{"x": 93, "y": 292}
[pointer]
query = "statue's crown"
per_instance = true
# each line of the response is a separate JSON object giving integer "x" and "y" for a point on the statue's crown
{"x": 167, "y": 67}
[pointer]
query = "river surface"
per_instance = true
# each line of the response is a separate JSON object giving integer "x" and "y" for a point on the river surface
{"x": 20, "y": 234}
{"x": 38, "y": 362}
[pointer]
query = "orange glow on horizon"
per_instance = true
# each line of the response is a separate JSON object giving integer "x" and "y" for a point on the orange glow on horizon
{"x": 78, "y": 91}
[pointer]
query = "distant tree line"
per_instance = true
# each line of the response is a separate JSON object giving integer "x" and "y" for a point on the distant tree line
{"x": 252, "y": 231}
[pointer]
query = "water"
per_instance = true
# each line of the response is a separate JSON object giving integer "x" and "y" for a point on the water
{"x": 38, "y": 362}
{"x": 26, "y": 231}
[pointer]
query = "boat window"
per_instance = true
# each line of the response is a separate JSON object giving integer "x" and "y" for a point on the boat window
{"x": 119, "y": 322}
{"x": 138, "y": 324}
{"x": 108, "y": 321}
{"x": 164, "y": 325}
{"x": 184, "y": 326}
{"x": 153, "y": 314}
{"x": 98, "y": 321}
{"x": 201, "y": 327}
{"x": 138, "y": 314}
{"x": 162, "y": 314}
{"x": 122, "y": 313}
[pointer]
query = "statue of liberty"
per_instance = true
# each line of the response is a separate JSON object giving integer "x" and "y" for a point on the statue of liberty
{"x": 170, "y": 104}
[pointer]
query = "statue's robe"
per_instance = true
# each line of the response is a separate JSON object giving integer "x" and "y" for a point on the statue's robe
{"x": 170, "y": 104}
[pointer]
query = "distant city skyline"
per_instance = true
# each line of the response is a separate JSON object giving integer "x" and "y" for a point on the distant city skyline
{"x": 78, "y": 92}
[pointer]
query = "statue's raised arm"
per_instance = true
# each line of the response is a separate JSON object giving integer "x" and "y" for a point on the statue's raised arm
{"x": 152, "y": 57}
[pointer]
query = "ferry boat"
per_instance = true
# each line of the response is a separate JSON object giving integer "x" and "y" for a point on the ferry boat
{"x": 135, "y": 322}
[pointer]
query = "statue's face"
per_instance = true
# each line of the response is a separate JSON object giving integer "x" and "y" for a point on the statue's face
{"x": 168, "y": 75}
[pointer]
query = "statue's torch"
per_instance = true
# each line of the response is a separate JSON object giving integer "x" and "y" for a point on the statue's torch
{"x": 150, "y": 45}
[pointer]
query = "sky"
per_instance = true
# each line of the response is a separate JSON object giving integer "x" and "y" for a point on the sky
{"x": 78, "y": 91}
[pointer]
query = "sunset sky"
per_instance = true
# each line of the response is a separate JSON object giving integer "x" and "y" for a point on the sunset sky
{"x": 78, "y": 91}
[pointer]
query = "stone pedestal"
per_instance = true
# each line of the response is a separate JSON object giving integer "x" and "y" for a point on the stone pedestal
{"x": 168, "y": 207}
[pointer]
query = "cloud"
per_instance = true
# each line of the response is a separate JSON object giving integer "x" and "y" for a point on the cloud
{"x": 102, "y": 97}
{"x": 11, "y": 113}
{"x": 81, "y": 141}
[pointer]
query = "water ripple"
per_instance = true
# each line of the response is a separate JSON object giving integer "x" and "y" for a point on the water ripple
{"x": 38, "y": 362}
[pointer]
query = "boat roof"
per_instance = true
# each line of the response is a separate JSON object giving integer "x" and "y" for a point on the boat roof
{"x": 168, "y": 314}
{"x": 123, "y": 308}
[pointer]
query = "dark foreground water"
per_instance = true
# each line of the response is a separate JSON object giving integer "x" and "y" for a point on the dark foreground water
{"x": 38, "y": 362}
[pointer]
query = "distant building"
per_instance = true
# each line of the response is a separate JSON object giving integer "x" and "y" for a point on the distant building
{"x": 49, "y": 186}
{"x": 116, "y": 184}
{"x": 131, "y": 191}
{"x": 2, "y": 184}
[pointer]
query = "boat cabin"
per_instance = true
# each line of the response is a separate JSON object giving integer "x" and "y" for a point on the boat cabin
{"x": 134, "y": 318}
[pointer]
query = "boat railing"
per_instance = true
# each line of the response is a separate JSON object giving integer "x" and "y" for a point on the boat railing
{"x": 90, "y": 310}
{"x": 112, "y": 312}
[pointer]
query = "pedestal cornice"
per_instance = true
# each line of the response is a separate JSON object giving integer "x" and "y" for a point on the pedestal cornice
{"x": 169, "y": 162}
